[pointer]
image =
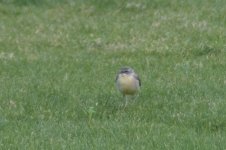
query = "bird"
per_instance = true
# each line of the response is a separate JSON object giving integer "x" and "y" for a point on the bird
{"x": 127, "y": 82}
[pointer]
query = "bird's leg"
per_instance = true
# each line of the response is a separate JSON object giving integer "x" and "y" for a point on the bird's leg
{"x": 135, "y": 98}
{"x": 126, "y": 101}
{"x": 123, "y": 103}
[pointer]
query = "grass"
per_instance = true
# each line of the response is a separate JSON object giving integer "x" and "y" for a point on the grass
{"x": 58, "y": 61}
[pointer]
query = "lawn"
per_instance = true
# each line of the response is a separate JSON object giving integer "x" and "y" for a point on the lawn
{"x": 59, "y": 59}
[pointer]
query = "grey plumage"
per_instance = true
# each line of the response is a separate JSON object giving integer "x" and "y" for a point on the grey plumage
{"x": 127, "y": 81}
{"x": 128, "y": 70}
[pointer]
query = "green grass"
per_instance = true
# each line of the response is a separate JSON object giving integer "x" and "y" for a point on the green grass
{"x": 58, "y": 61}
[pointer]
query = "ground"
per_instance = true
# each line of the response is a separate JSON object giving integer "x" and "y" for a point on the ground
{"x": 59, "y": 59}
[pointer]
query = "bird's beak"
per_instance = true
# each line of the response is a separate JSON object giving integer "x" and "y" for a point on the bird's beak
{"x": 123, "y": 74}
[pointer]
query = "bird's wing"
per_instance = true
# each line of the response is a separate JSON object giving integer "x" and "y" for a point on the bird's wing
{"x": 137, "y": 77}
{"x": 116, "y": 78}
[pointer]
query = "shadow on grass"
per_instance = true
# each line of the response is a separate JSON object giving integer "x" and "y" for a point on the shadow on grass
{"x": 206, "y": 50}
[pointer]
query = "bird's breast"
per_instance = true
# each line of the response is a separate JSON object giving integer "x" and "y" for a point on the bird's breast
{"x": 127, "y": 84}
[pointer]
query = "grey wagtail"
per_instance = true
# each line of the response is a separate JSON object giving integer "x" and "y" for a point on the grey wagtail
{"x": 128, "y": 82}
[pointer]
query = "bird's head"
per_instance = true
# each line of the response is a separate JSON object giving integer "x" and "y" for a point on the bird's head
{"x": 126, "y": 70}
